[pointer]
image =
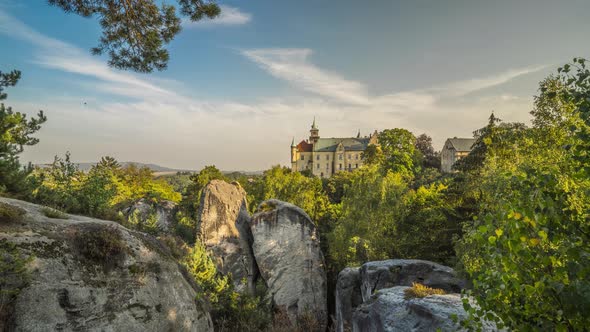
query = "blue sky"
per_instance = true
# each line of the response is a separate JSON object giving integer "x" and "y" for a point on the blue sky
{"x": 240, "y": 87}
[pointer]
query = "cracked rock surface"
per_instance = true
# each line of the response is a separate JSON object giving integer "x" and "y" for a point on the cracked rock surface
{"x": 93, "y": 275}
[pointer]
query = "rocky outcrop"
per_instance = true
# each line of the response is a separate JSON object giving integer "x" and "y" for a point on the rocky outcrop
{"x": 93, "y": 275}
{"x": 403, "y": 272}
{"x": 348, "y": 296}
{"x": 287, "y": 250}
{"x": 163, "y": 211}
{"x": 363, "y": 282}
{"x": 225, "y": 232}
{"x": 389, "y": 311}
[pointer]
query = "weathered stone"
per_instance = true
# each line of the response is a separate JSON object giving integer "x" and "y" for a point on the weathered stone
{"x": 388, "y": 311}
{"x": 403, "y": 272}
{"x": 376, "y": 275}
{"x": 95, "y": 275}
{"x": 287, "y": 250}
{"x": 348, "y": 296}
{"x": 224, "y": 229}
{"x": 163, "y": 211}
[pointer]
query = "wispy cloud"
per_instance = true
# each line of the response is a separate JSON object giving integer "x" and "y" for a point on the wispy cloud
{"x": 463, "y": 88}
{"x": 293, "y": 66}
{"x": 155, "y": 116}
{"x": 55, "y": 54}
{"x": 229, "y": 16}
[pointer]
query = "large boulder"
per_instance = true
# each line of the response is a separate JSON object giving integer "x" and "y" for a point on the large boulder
{"x": 388, "y": 310}
{"x": 287, "y": 250}
{"x": 403, "y": 272}
{"x": 348, "y": 295}
{"x": 356, "y": 285}
{"x": 225, "y": 232}
{"x": 84, "y": 274}
{"x": 163, "y": 212}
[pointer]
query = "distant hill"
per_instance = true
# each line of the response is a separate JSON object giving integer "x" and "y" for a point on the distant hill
{"x": 156, "y": 168}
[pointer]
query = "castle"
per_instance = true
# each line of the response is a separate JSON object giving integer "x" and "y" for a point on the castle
{"x": 327, "y": 156}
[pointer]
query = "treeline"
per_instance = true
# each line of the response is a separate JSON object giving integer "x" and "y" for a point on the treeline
{"x": 513, "y": 217}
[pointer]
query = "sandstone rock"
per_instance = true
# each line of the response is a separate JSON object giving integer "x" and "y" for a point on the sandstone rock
{"x": 94, "y": 275}
{"x": 348, "y": 296}
{"x": 287, "y": 250}
{"x": 376, "y": 275}
{"x": 388, "y": 311}
{"x": 163, "y": 211}
{"x": 403, "y": 272}
{"x": 224, "y": 229}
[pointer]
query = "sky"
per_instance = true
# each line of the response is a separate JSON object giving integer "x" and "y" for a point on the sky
{"x": 239, "y": 88}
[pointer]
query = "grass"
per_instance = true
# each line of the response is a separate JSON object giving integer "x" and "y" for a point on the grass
{"x": 9, "y": 213}
{"x": 419, "y": 291}
{"x": 53, "y": 213}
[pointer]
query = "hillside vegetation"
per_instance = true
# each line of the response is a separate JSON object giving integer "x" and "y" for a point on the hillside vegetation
{"x": 513, "y": 217}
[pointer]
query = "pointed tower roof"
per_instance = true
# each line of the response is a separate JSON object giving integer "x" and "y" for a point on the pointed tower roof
{"x": 359, "y": 134}
{"x": 313, "y": 125}
{"x": 293, "y": 142}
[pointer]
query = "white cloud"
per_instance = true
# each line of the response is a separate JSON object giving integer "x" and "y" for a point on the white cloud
{"x": 160, "y": 124}
{"x": 229, "y": 16}
{"x": 292, "y": 65}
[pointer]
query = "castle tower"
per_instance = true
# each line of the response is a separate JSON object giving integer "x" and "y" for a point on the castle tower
{"x": 314, "y": 133}
{"x": 293, "y": 151}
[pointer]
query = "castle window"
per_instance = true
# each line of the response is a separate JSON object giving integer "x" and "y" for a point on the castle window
{"x": 356, "y": 165}
{"x": 318, "y": 166}
{"x": 302, "y": 157}
{"x": 349, "y": 156}
{"x": 349, "y": 167}
{"x": 327, "y": 166}
{"x": 327, "y": 157}
{"x": 356, "y": 156}
{"x": 318, "y": 157}
{"x": 339, "y": 157}
{"x": 322, "y": 174}
{"x": 339, "y": 166}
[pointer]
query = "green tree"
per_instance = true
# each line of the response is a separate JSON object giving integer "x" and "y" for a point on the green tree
{"x": 527, "y": 253}
{"x": 430, "y": 158}
{"x": 15, "y": 132}
{"x": 399, "y": 151}
{"x": 135, "y": 32}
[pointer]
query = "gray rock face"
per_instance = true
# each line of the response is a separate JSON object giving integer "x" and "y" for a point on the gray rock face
{"x": 372, "y": 276}
{"x": 403, "y": 272}
{"x": 163, "y": 211}
{"x": 348, "y": 295}
{"x": 224, "y": 229}
{"x": 389, "y": 311}
{"x": 94, "y": 275}
{"x": 287, "y": 250}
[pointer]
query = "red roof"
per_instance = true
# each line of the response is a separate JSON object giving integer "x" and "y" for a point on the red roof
{"x": 303, "y": 146}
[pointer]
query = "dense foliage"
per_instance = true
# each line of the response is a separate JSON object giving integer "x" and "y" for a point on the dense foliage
{"x": 528, "y": 251}
{"x": 15, "y": 132}
{"x": 101, "y": 191}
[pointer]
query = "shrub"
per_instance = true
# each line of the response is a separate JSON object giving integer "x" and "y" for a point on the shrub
{"x": 9, "y": 213}
{"x": 101, "y": 245}
{"x": 13, "y": 278}
{"x": 53, "y": 213}
{"x": 418, "y": 291}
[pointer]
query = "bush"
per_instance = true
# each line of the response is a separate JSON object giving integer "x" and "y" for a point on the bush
{"x": 418, "y": 291}
{"x": 101, "y": 245}
{"x": 53, "y": 213}
{"x": 9, "y": 213}
{"x": 13, "y": 278}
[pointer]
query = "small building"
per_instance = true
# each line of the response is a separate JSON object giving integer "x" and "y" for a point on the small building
{"x": 453, "y": 150}
{"x": 326, "y": 156}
